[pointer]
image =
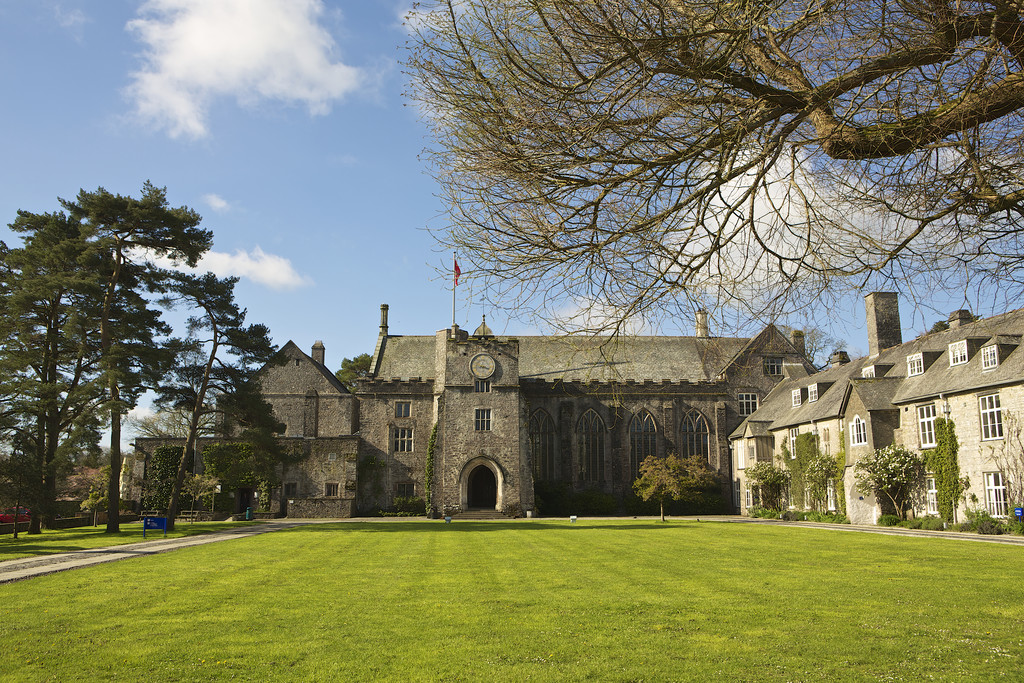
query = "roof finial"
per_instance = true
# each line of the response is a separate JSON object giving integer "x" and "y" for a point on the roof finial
{"x": 483, "y": 330}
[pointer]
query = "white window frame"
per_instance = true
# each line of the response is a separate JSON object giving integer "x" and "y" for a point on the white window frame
{"x": 748, "y": 497}
{"x": 958, "y": 353}
{"x": 858, "y": 432}
{"x": 991, "y": 414}
{"x": 830, "y": 495}
{"x": 926, "y": 425}
{"x": 989, "y": 357}
{"x": 915, "y": 364}
{"x": 741, "y": 454}
{"x": 995, "y": 494}
{"x": 748, "y": 404}
{"x": 868, "y": 372}
{"x": 795, "y": 394}
{"x": 812, "y": 393}
{"x": 931, "y": 496}
{"x": 826, "y": 441}
{"x": 793, "y": 433}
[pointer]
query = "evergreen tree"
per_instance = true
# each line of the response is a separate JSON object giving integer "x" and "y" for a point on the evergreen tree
{"x": 124, "y": 233}
{"x": 203, "y": 371}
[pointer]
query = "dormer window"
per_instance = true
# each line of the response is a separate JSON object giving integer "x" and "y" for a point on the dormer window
{"x": 958, "y": 353}
{"x": 915, "y": 365}
{"x": 796, "y": 398}
{"x": 990, "y": 357}
{"x": 812, "y": 393}
{"x": 868, "y": 372}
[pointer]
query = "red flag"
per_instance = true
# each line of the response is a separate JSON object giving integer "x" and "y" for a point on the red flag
{"x": 457, "y": 271}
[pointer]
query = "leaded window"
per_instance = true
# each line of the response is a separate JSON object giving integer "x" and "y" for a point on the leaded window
{"x": 991, "y": 417}
{"x": 590, "y": 433}
{"x": 858, "y": 431}
{"x": 542, "y": 445}
{"x": 642, "y": 441}
{"x": 693, "y": 432}
{"x": 926, "y": 425}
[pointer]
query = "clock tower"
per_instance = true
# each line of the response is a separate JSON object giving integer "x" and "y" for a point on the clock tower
{"x": 481, "y": 455}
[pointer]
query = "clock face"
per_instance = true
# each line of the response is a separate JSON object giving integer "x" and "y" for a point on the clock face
{"x": 482, "y": 366}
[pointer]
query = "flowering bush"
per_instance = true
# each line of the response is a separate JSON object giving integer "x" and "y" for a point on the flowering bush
{"x": 893, "y": 475}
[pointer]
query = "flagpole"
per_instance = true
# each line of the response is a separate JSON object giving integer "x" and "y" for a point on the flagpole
{"x": 455, "y": 282}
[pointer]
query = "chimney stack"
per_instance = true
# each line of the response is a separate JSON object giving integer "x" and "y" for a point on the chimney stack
{"x": 318, "y": 352}
{"x": 958, "y": 318}
{"x": 839, "y": 358}
{"x": 883, "y": 321}
{"x": 701, "y": 328}
{"x": 797, "y": 339}
{"x": 383, "y": 320}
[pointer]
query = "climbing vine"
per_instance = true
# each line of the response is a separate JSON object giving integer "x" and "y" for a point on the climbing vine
{"x": 428, "y": 477}
{"x": 942, "y": 461}
{"x": 839, "y": 474}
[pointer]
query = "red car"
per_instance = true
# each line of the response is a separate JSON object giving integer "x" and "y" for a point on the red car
{"x": 7, "y": 516}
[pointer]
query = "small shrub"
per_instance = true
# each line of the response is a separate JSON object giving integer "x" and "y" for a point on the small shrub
{"x": 763, "y": 513}
{"x": 594, "y": 503}
{"x": 990, "y": 527}
{"x": 410, "y": 505}
{"x": 889, "y": 520}
{"x": 933, "y": 524}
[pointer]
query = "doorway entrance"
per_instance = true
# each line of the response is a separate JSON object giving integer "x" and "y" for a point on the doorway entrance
{"x": 482, "y": 489}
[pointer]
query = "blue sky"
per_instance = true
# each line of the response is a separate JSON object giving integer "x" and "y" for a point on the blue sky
{"x": 283, "y": 122}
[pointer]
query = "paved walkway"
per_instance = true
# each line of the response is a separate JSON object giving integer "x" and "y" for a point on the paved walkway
{"x": 28, "y": 567}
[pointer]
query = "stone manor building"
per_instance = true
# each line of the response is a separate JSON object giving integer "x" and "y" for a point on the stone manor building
{"x": 503, "y": 412}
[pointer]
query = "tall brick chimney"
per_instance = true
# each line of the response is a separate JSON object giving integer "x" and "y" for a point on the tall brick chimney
{"x": 958, "y": 318}
{"x": 319, "y": 352}
{"x": 798, "y": 340}
{"x": 383, "y": 320}
{"x": 883, "y": 323}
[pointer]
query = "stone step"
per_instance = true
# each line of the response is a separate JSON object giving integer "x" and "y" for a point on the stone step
{"x": 479, "y": 514}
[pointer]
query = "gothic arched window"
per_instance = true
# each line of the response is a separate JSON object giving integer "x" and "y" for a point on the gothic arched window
{"x": 642, "y": 441}
{"x": 693, "y": 434}
{"x": 590, "y": 444}
{"x": 542, "y": 446}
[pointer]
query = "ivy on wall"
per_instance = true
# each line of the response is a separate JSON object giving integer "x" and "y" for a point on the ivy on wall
{"x": 839, "y": 473}
{"x": 943, "y": 462}
{"x": 428, "y": 477}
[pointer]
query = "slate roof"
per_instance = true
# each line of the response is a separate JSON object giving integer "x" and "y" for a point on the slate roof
{"x": 895, "y": 387}
{"x": 691, "y": 359}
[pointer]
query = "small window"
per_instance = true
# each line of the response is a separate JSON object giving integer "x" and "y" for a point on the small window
{"x": 796, "y": 397}
{"x": 793, "y": 433}
{"x": 482, "y": 386}
{"x": 405, "y": 490}
{"x": 812, "y": 393}
{"x": 990, "y": 357}
{"x": 926, "y": 425}
{"x": 331, "y": 457}
{"x": 291, "y": 489}
{"x": 858, "y": 431}
{"x": 991, "y": 417}
{"x": 931, "y": 496}
{"x": 403, "y": 440}
{"x": 830, "y": 495}
{"x": 296, "y": 362}
{"x": 773, "y": 366}
{"x": 995, "y": 494}
{"x": 868, "y": 372}
{"x": 915, "y": 365}
{"x": 741, "y": 454}
{"x": 826, "y": 442}
{"x": 958, "y": 353}
{"x": 403, "y": 409}
{"x": 748, "y": 404}
{"x": 482, "y": 420}
{"x": 331, "y": 489}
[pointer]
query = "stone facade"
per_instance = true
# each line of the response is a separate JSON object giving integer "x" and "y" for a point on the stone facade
{"x": 972, "y": 374}
{"x": 509, "y": 411}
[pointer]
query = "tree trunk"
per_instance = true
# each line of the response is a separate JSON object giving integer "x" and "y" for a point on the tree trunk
{"x": 114, "y": 485}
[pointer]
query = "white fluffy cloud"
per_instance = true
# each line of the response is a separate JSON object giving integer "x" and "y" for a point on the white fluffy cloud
{"x": 252, "y": 50}
{"x": 275, "y": 272}
{"x": 216, "y": 202}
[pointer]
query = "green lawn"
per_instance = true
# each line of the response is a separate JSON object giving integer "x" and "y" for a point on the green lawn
{"x": 622, "y": 600}
{"x": 85, "y": 537}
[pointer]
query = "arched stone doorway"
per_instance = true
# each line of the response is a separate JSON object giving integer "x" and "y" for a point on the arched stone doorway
{"x": 482, "y": 491}
{"x": 481, "y": 485}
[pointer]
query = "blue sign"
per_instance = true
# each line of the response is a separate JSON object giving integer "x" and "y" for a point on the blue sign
{"x": 1018, "y": 512}
{"x": 154, "y": 523}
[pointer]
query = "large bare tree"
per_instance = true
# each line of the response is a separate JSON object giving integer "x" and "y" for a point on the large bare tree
{"x": 745, "y": 155}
